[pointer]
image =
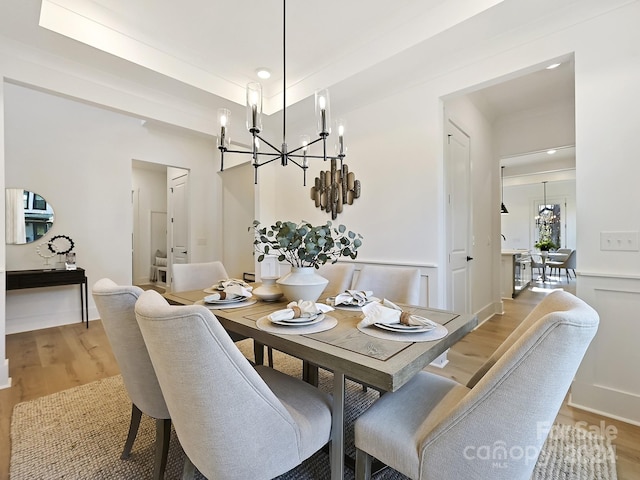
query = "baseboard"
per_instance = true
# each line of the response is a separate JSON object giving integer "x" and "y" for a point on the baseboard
{"x": 606, "y": 401}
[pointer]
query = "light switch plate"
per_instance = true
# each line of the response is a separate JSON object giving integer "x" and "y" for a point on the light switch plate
{"x": 621, "y": 241}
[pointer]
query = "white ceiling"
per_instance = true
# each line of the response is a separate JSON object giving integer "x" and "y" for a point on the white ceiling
{"x": 217, "y": 45}
{"x": 207, "y": 50}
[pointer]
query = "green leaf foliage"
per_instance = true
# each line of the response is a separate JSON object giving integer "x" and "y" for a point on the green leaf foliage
{"x": 303, "y": 245}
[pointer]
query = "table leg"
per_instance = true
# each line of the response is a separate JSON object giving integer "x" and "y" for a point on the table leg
{"x": 84, "y": 301}
{"x": 337, "y": 427}
{"x": 258, "y": 353}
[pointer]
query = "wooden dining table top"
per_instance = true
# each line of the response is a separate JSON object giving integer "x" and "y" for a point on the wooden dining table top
{"x": 382, "y": 363}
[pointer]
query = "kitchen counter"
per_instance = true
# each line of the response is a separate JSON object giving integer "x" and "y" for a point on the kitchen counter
{"x": 515, "y": 272}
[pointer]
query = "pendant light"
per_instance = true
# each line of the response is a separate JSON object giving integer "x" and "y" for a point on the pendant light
{"x": 503, "y": 209}
{"x": 297, "y": 155}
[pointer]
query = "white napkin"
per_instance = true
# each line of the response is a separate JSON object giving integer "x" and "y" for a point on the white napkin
{"x": 306, "y": 309}
{"x": 389, "y": 313}
{"x": 229, "y": 282}
{"x": 232, "y": 292}
{"x": 353, "y": 297}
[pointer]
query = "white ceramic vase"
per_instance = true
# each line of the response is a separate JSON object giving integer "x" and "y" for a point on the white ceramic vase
{"x": 302, "y": 283}
{"x": 268, "y": 291}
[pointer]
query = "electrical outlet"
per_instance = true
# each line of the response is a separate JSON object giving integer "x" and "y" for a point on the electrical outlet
{"x": 621, "y": 241}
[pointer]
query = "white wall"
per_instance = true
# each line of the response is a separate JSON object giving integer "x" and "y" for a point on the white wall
{"x": 79, "y": 157}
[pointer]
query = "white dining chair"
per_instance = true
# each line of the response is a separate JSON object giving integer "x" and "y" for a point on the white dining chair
{"x": 434, "y": 427}
{"x": 194, "y": 276}
{"x": 397, "y": 284}
{"x": 340, "y": 276}
{"x": 115, "y": 304}
{"x": 233, "y": 421}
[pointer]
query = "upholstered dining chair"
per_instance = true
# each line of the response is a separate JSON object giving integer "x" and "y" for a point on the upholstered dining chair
{"x": 536, "y": 262}
{"x": 434, "y": 427}
{"x": 567, "y": 263}
{"x": 233, "y": 421}
{"x": 115, "y": 305}
{"x": 397, "y": 284}
{"x": 340, "y": 276}
{"x": 194, "y": 276}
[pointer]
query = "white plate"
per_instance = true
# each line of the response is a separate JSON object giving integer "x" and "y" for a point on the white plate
{"x": 299, "y": 322}
{"x": 400, "y": 327}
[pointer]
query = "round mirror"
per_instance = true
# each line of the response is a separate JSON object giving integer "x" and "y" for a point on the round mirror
{"x": 28, "y": 216}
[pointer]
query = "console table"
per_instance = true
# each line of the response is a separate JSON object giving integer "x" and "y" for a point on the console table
{"x": 21, "y": 279}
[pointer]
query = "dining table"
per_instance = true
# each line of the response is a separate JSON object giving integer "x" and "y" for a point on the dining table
{"x": 373, "y": 357}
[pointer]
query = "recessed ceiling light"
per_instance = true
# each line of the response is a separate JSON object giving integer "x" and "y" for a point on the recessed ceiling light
{"x": 552, "y": 66}
{"x": 551, "y": 152}
{"x": 263, "y": 73}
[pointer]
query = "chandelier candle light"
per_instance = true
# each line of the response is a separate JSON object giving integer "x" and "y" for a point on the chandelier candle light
{"x": 298, "y": 156}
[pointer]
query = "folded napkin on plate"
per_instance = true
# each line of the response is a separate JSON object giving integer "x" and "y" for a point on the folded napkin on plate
{"x": 353, "y": 297}
{"x": 229, "y": 293}
{"x": 230, "y": 282}
{"x": 300, "y": 309}
{"x": 389, "y": 313}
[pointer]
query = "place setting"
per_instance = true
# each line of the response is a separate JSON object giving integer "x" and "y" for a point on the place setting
{"x": 388, "y": 321}
{"x": 228, "y": 293}
{"x": 352, "y": 300}
{"x": 300, "y": 318}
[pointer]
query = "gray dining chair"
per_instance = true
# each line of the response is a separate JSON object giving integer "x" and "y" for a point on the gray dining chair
{"x": 340, "y": 276}
{"x": 398, "y": 284}
{"x": 567, "y": 263}
{"x": 194, "y": 276}
{"x": 233, "y": 421}
{"x": 115, "y": 304}
{"x": 434, "y": 427}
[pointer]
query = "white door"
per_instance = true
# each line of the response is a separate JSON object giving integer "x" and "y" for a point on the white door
{"x": 458, "y": 206}
{"x": 179, "y": 220}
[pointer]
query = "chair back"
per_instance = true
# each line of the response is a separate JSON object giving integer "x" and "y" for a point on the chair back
{"x": 229, "y": 422}
{"x": 340, "y": 276}
{"x": 571, "y": 261}
{"x": 397, "y": 284}
{"x": 194, "y": 276}
{"x": 115, "y": 305}
{"x": 515, "y": 396}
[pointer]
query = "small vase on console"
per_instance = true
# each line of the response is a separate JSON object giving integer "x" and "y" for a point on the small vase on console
{"x": 268, "y": 291}
{"x": 302, "y": 283}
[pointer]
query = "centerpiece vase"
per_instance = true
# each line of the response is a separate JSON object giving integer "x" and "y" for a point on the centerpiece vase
{"x": 268, "y": 291}
{"x": 302, "y": 283}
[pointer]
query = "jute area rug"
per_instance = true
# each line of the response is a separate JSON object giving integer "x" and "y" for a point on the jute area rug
{"x": 79, "y": 434}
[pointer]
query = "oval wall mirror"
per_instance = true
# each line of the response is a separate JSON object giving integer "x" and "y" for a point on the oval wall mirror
{"x": 28, "y": 216}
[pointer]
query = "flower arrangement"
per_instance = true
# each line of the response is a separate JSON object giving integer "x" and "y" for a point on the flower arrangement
{"x": 303, "y": 245}
{"x": 545, "y": 244}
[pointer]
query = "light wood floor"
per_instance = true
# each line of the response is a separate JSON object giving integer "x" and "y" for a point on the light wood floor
{"x": 50, "y": 360}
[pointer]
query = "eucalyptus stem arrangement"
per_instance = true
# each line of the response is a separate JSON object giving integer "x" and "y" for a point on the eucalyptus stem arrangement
{"x": 303, "y": 245}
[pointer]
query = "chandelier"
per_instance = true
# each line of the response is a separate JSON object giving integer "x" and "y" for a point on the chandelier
{"x": 546, "y": 218}
{"x": 298, "y": 156}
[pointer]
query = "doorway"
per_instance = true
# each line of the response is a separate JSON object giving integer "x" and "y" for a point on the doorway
{"x": 153, "y": 214}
